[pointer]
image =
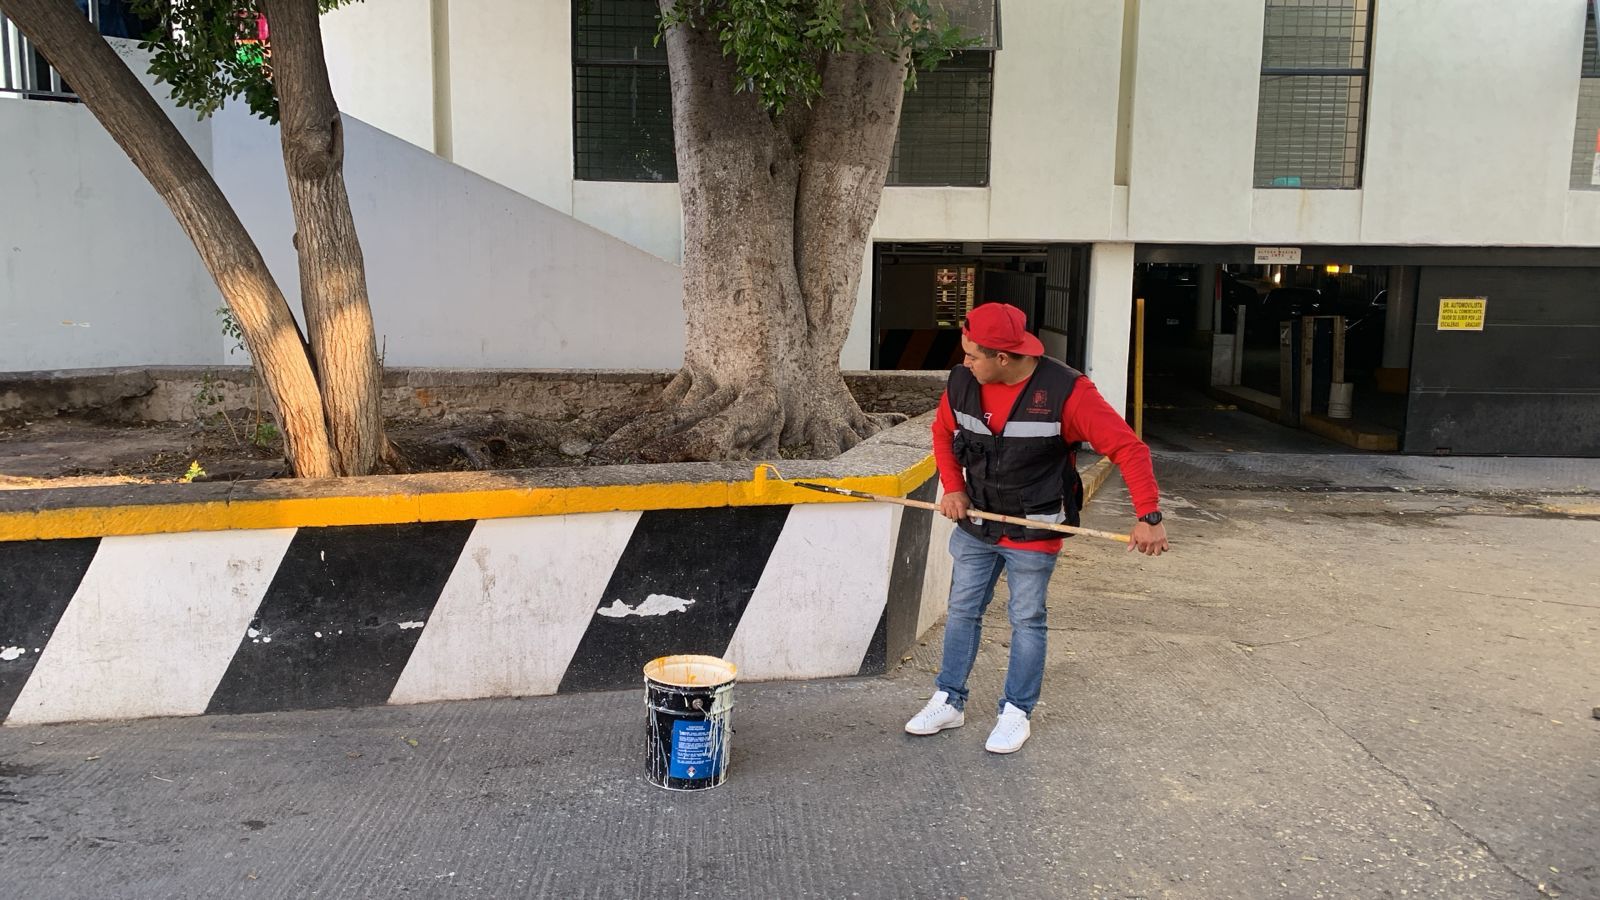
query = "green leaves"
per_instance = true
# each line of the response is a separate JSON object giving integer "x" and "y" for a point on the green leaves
{"x": 778, "y": 45}
{"x": 210, "y": 52}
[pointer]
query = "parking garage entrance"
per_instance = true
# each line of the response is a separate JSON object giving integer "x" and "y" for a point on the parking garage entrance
{"x": 1281, "y": 356}
{"x": 1437, "y": 350}
{"x": 921, "y": 291}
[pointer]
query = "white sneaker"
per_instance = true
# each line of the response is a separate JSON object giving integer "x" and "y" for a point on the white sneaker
{"x": 1010, "y": 733}
{"x": 936, "y": 716}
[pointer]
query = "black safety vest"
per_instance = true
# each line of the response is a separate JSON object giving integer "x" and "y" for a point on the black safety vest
{"x": 1026, "y": 470}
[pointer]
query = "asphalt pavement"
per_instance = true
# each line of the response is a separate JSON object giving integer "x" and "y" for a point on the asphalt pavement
{"x": 1343, "y": 682}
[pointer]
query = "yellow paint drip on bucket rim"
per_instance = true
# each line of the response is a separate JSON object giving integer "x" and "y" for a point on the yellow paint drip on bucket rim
{"x": 690, "y": 670}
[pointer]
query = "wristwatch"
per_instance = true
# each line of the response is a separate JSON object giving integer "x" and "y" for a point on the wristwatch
{"x": 1151, "y": 518}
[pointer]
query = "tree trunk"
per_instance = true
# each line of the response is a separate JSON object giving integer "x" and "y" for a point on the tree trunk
{"x": 776, "y": 215}
{"x": 134, "y": 120}
{"x": 845, "y": 154}
{"x": 333, "y": 281}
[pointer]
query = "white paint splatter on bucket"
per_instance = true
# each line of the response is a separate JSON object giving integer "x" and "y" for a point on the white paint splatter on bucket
{"x": 689, "y": 704}
{"x": 7, "y": 654}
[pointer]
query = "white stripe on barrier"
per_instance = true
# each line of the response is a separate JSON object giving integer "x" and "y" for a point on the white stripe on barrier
{"x": 153, "y": 626}
{"x": 838, "y": 559}
{"x": 515, "y": 608}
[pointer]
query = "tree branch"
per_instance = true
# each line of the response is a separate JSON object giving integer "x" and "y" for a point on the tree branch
{"x": 138, "y": 125}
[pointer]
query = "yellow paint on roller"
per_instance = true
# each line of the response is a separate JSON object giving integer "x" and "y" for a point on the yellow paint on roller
{"x": 400, "y": 506}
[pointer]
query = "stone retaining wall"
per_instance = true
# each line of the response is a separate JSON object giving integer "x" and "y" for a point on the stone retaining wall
{"x": 182, "y": 393}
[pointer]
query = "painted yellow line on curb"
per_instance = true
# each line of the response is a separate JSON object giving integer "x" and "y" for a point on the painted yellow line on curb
{"x": 441, "y": 506}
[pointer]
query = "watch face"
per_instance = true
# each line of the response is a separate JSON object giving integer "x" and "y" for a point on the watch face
{"x": 1151, "y": 518}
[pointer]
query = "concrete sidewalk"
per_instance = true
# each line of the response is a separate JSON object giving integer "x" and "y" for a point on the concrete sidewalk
{"x": 1317, "y": 695}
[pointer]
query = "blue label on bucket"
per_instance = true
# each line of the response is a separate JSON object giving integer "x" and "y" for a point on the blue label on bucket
{"x": 694, "y": 750}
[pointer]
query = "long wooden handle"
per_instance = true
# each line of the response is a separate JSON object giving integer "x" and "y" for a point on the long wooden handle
{"x": 975, "y": 513}
{"x": 1012, "y": 520}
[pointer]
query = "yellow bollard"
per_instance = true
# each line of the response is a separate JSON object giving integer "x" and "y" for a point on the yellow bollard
{"x": 1138, "y": 367}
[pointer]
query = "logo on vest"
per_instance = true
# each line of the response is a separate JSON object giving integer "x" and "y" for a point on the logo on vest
{"x": 1040, "y": 402}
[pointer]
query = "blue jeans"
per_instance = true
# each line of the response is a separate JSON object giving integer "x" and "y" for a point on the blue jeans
{"x": 976, "y": 570}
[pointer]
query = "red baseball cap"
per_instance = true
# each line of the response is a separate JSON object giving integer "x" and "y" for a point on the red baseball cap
{"x": 1001, "y": 326}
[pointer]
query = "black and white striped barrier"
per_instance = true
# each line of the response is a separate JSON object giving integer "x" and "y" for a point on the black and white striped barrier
{"x": 127, "y": 610}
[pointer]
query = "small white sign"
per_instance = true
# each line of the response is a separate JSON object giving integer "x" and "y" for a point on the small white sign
{"x": 1277, "y": 256}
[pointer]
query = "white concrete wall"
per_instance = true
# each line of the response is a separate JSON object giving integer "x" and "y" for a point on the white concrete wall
{"x": 1192, "y": 155}
{"x": 94, "y": 270}
{"x": 379, "y": 66}
{"x": 511, "y": 95}
{"x": 463, "y": 271}
{"x": 1472, "y": 110}
{"x": 648, "y": 216}
{"x": 1110, "y": 312}
{"x": 1053, "y": 134}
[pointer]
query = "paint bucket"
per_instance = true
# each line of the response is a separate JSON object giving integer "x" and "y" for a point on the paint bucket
{"x": 689, "y": 702}
{"x": 1340, "y": 393}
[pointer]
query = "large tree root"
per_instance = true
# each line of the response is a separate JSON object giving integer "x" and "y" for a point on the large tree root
{"x": 698, "y": 419}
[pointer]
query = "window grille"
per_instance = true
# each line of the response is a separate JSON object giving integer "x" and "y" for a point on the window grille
{"x": 1586, "y": 137}
{"x": 944, "y": 125}
{"x": 621, "y": 93}
{"x": 1312, "y": 110}
{"x": 954, "y": 290}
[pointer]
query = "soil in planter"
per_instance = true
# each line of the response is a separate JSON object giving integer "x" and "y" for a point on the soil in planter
{"x": 80, "y": 451}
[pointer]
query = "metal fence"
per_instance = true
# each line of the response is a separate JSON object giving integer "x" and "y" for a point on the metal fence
{"x": 24, "y": 71}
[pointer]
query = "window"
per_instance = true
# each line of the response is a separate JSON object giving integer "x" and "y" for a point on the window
{"x": 1586, "y": 140}
{"x": 944, "y": 124}
{"x": 1312, "y": 111}
{"x": 25, "y": 71}
{"x": 621, "y": 93}
{"x": 622, "y": 100}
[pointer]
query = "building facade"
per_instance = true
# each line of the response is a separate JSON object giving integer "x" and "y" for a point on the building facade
{"x": 1255, "y": 160}
{"x": 1404, "y": 152}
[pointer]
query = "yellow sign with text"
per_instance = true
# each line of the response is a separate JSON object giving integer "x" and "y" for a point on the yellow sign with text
{"x": 1462, "y": 313}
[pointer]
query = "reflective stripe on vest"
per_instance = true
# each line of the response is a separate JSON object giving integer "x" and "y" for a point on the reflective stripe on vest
{"x": 971, "y": 423}
{"x": 1032, "y": 429}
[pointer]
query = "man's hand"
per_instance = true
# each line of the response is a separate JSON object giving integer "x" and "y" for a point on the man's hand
{"x": 954, "y": 506}
{"x": 1151, "y": 540}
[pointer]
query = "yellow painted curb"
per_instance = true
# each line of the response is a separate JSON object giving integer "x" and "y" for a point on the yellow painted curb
{"x": 1096, "y": 477}
{"x": 441, "y": 506}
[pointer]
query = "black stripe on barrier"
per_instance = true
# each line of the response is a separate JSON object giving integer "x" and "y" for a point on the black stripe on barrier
{"x": 341, "y": 617}
{"x": 905, "y": 579}
{"x": 876, "y": 660}
{"x": 712, "y": 557}
{"x": 37, "y": 581}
